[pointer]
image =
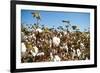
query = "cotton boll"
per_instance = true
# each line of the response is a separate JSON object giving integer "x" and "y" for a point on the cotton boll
{"x": 60, "y": 35}
{"x": 41, "y": 53}
{"x": 71, "y": 48}
{"x": 35, "y": 49}
{"x": 51, "y": 56}
{"x": 74, "y": 37}
{"x": 50, "y": 42}
{"x": 56, "y": 41}
{"x": 87, "y": 58}
{"x": 65, "y": 32}
{"x": 39, "y": 30}
{"x": 78, "y": 52}
{"x": 23, "y": 47}
{"x": 57, "y": 58}
{"x": 33, "y": 36}
{"x": 34, "y": 53}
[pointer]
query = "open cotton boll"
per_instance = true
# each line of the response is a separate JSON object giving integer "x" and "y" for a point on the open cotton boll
{"x": 65, "y": 32}
{"x": 51, "y": 56}
{"x": 33, "y": 36}
{"x": 35, "y": 49}
{"x": 50, "y": 42}
{"x": 39, "y": 30}
{"x": 78, "y": 52}
{"x": 56, "y": 41}
{"x": 23, "y": 47}
{"x": 41, "y": 53}
{"x": 57, "y": 58}
{"x": 86, "y": 58}
{"x": 34, "y": 53}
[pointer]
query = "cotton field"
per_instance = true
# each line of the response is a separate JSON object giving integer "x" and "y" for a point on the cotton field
{"x": 48, "y": 45}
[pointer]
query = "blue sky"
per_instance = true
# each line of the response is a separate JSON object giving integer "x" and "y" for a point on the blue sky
{"x": 52, "y": 18}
